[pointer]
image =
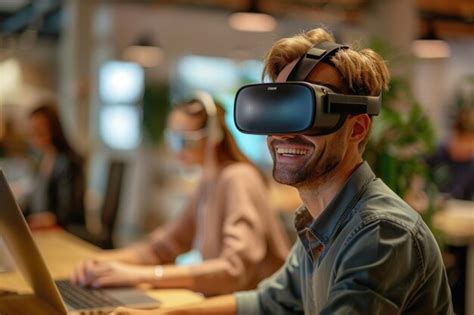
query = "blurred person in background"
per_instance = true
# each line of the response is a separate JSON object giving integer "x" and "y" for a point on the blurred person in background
{"x": 452, "y": 167}
{"x": 57, "y": 195}
{"x": 228, "y": 219}
{"x": 453, "y": 161}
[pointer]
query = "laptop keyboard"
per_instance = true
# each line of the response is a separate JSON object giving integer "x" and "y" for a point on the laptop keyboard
{"x": 80, "y": 298}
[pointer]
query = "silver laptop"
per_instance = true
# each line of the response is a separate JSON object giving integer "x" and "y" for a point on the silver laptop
{"x": 62, "y": 296}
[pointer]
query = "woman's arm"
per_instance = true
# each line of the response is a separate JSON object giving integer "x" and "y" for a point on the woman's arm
{"x": 243, "y": 237}
{"x": 98, "y": 274}
{"x": 163, "y": 245}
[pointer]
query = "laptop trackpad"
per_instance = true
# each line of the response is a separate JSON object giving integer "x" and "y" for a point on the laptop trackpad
{"x": 132, "y": 297}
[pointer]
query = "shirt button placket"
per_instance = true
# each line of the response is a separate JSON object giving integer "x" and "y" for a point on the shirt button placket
{"x": 315, "y": 245}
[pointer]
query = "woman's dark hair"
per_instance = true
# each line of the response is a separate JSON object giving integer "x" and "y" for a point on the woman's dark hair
{"x": 464, "y": 120}
{"x": 49, "y": 110}
{"x": 227, "y": 150}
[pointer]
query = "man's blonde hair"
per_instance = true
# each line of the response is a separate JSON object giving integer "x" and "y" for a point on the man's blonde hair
{"x": 361, "y": 69}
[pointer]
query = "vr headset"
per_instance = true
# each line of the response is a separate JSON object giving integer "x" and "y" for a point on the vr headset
{"x": 296, "y": 106}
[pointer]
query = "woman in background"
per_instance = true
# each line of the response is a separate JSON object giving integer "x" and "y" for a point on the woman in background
{"x": 228, "y": 219}
{"x": 57, "y": 197}
{"x": 453, "y": 161}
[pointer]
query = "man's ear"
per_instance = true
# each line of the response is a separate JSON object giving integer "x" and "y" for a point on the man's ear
{"x": 360, "y": 127}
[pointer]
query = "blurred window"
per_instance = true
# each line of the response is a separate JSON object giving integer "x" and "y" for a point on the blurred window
{"x": 121, "y": 86}
{"x": 121, "y": 82}
{"x": 120, "y": 126}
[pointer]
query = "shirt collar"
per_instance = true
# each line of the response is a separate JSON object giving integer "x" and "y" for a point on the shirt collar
{"x": 327, "y": 224}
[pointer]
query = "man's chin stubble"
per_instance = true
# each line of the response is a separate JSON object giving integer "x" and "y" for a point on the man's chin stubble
{"x": 299, "y": 181}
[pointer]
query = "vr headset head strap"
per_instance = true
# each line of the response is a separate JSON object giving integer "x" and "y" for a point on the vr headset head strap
{"x": 336, "y": 103}
{"x": 353, "y": 104}
{"x": 216, "y": 133}
{"x": 311, "y": 58}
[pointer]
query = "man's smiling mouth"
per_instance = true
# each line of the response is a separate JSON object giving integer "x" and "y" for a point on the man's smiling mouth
{"x": 289, "y": 151}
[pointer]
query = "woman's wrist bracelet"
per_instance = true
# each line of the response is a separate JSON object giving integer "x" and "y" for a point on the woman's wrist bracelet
{"x": 158, "y": 272}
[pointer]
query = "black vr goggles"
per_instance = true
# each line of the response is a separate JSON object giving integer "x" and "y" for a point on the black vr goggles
{"x": 296, "y": 106}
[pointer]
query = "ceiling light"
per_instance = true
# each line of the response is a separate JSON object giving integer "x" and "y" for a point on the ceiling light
{"x": 144, "y": 52}
{"x": 430, "y": 46}
{"x": 252, "y": 20}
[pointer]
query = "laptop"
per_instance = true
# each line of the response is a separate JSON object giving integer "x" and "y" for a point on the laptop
{"x": 59, "y": 297}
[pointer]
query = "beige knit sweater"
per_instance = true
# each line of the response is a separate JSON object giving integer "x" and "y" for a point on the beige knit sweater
{"x": 231, "y": 223}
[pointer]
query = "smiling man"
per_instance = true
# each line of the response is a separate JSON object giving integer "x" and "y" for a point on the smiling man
{"x": 361, "y": 248}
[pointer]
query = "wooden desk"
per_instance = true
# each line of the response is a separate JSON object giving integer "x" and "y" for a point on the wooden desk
{"x": 457, "y": 223}
{"x": 63, "y": 251}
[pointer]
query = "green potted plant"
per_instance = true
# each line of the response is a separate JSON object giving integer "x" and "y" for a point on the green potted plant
{"x": 402, "y": 137}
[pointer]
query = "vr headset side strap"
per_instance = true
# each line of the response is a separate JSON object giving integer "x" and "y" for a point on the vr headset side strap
{"x": 353, "y": 104}
{"x": 311, "y": 58}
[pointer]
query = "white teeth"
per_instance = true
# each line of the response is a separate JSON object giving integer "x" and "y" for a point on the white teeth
{"x": 291, "y": 151}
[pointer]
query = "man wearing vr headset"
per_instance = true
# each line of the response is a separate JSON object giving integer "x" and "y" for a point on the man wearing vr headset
{"x": 361, "y": 248}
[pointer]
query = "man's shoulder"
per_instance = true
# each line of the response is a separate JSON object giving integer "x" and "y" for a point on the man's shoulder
{"x": 382, "y": 215}
{"x": 381, "y": 219}
{"x": 380, "y": 205}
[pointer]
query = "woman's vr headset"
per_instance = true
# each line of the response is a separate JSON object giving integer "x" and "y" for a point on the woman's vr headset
{"x": 296, "y": 106}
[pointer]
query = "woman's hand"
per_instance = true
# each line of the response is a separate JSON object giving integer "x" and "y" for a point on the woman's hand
{"x": 96, "y": 273}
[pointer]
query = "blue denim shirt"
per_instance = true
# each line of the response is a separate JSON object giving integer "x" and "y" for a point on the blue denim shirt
{"x": 367, "y": 253}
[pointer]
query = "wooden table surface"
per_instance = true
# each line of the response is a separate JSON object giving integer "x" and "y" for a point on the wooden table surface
{"x": 62, "y": 252}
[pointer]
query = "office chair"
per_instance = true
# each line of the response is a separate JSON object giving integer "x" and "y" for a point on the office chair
{"x": 109, "y": 209}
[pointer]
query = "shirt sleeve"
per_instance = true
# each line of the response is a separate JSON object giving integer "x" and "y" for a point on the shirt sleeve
{"x": 378, "y": 270}
{"x": 175, "y": 238}
{"x": 244, "y": 244}
{"x": 277, "y": 295}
